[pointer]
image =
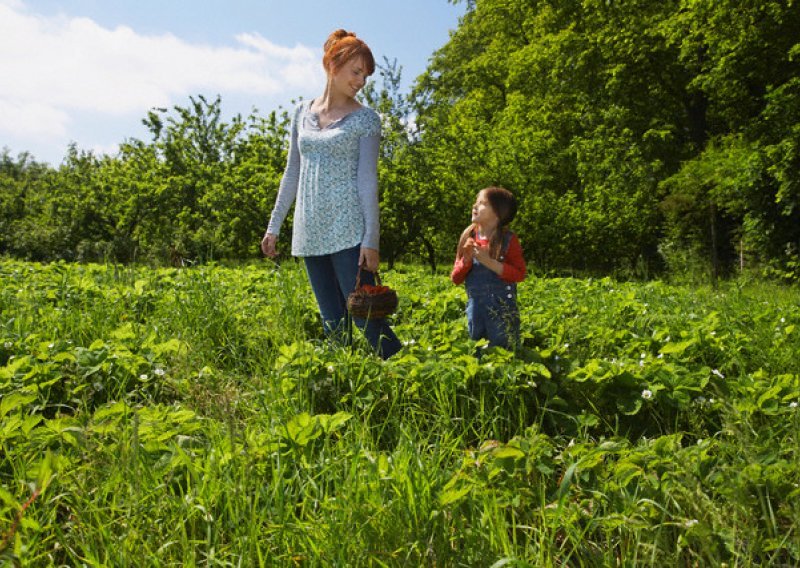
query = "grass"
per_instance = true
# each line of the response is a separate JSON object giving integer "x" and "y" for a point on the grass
{"x": 197, "y": 416}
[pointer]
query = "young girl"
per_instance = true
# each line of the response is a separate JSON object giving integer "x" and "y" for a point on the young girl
{"x": 489, "y": 261}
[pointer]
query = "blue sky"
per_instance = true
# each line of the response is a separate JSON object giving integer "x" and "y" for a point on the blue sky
{"x": 87, "y": 71}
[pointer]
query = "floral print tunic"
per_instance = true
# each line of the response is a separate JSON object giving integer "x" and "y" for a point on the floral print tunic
{"x": 331, "y": 177}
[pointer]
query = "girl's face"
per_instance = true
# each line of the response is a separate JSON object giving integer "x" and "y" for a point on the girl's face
{"x": 350, "y": 77}
{"x": 483, "y": 214}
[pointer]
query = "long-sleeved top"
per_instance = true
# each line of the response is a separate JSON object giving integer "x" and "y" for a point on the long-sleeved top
{"x": 513, "y": 263}
{"x": 331, "y": 177}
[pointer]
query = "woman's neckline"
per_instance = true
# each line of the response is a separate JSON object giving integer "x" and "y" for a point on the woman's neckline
{"x": 333, "y": 122}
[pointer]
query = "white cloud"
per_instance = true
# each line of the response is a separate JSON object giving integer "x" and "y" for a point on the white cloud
{"x": 55, "y": 66}
{"x": 32, "y": 119}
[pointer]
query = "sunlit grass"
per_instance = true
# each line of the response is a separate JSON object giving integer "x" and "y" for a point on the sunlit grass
{"x": 198, "y": 416}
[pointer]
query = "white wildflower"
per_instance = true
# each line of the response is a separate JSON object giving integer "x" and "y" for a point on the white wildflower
{"x": 718, "y": 373}
{"x": 647, "y": 394}
{"x": 330, "y": 369}
{"x": 143, "y": 377}
{"x": 8, "y": 345}
{"x": 160, "y": 372}
{"x": 783, "y": 320}
{"x": 643, "y": 355}
{"x": 700, "y": 400}
{"x": 690, "y": 523}
{"x": 566, "y": 346}
{"x": 793, "y": 404}
{"x": 51, "y": 345}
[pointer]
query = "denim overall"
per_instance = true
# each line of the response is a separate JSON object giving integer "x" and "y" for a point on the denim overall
{"x": 492, "y": 311}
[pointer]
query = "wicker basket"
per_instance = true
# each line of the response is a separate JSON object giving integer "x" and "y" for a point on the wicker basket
{"x": 371, "y": 302}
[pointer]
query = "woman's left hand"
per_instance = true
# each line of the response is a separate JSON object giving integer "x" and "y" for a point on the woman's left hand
{"x": 369, "y": 259}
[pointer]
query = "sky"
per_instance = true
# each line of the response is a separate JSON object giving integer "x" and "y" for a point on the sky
{"x": 88, "y": 71}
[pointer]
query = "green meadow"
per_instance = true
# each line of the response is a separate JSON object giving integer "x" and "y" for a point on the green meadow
{"x": 197, "y": 416}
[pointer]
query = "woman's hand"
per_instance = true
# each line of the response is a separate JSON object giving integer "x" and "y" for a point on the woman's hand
{"x": 369, "y": 259}
{"x": 268, "y": 245}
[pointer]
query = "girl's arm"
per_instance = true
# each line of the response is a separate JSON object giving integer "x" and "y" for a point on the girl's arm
{"x": 461, "y": 268}
{"x": 463, "y": 262}
{"x": 512, "y": 269}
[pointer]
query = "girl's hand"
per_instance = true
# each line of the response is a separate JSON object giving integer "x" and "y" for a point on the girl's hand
{"x": 468, "y": 249}
{"x": 268, "y": 245}
{"x": 369, "y": 259}
{"x": 481, "y": 253}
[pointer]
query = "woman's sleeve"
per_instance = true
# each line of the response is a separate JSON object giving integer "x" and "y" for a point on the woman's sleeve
{"x": 367, "y": 181}
{"x": 287, "y": 190}
{"x": 514, "y": 265}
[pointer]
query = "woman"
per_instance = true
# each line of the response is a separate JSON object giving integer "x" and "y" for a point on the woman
{"x": 331, "y": 177}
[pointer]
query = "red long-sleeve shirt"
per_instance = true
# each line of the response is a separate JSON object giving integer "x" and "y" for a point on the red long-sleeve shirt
{"x": 513, "y": 264}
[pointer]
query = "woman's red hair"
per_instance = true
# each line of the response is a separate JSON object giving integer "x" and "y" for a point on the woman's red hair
{"x": 341, "y": 47}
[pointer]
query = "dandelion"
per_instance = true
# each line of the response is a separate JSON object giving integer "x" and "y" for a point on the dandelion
{"x": 647, "y": 394}
{"x": 793, "y": 404}
{"x": 690, "y": 523}
{"x": 160, "y": 372}
{"x": 718, "y": 373}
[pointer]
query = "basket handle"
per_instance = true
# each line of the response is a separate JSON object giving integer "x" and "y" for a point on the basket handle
{"x": 358, "y": 277}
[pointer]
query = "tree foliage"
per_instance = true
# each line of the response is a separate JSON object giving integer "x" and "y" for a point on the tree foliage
{"x": 637, "y": 135}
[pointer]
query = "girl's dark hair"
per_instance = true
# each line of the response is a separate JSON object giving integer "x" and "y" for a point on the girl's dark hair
{"x": 504, "y": 205}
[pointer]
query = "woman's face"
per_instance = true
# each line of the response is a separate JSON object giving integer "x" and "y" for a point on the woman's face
{"x": 350, "y": 78}
{"x": 482, "y": 212}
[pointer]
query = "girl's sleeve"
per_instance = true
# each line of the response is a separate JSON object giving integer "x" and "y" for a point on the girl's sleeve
{"x": 460, "y": 270}
{"x": 287, "y": 191}
{"x": 514, "y": 264}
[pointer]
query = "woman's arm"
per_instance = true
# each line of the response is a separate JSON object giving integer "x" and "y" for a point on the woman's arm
{"x": 367, "y": 181}
{"x": 287, "y": 191}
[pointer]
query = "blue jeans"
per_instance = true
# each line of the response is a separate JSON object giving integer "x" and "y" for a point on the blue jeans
{"x": 333, "y": 277}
